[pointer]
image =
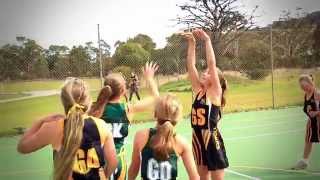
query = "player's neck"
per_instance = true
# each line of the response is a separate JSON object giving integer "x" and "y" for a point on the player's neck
{"x": 115, "y": 100}
{"x": 310, "y": 93}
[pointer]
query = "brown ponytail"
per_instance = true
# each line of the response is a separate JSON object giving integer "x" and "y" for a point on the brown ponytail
{"x": 114, "y": 85}
{"x": 97, "y": 107}
{"x": 311, "y": 77}
{"x": 224, "y": 87}
{"x": 117, "y": 84}
{"x": 75, "y": 99}
{"x": 167, "y": 112}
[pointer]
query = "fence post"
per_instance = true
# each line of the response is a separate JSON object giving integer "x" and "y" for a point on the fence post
{"x": 271, "y": 58}
{"x": 100, "y": 57}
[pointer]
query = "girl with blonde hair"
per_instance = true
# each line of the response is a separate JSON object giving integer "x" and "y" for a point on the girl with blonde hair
{"x": 312, "y": 110}
{"x": 157, "y": 149}
{"x": 82, "y": 144}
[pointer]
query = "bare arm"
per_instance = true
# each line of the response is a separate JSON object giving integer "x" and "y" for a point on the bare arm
{"x": 211, "y": 63}
{"x": 317, "y": 100}
{"x": 188, "y": 160}
{"x": 139, "y": 141}
{"x": 146, "y": 103}
{"x": 191, "y": 62}
{"x": 39, "y": 135}
{"x": 149, "y": 70}
{"x": 110, "y": 155}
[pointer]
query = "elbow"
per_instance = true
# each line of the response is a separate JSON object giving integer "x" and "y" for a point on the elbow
{"x": 194, "y": 177}
{"x": 133, "y": 170}
{"x": 113, "y": 164}
{"x": 22, "y": 149}
{"x": 132, "y": 173}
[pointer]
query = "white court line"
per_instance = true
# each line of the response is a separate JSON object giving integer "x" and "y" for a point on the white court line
{"x": 265, "y": 118}
{"x": 265, "y": 134}
{"x": 242, "y": 175}
{"x": 276, "y": 169}
{"x": 262, "y": 125}
{"x": 129, "y": 142}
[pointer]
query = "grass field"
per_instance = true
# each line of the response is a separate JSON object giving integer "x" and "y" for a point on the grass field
{"x": 36, "y": 85}
{"x": 11, "y": 96}
{"x": 260, "y": 145}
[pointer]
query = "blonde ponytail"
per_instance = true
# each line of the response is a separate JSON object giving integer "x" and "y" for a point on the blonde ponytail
{"x": 75, "y": 98}
{"x": 167, "y": 112}
{"x": 162, "y": 141}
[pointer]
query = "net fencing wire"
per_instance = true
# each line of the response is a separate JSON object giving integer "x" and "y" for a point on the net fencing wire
{"x": 259, "y": 55}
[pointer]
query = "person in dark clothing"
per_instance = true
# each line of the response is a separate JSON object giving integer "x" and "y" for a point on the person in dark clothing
{"x": 134, "y": 86}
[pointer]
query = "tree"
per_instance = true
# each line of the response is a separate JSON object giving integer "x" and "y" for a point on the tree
{"x": 53, "y": 54}
{"x": 293, "y": 37}
{"x": 145, "y": 41}
{"x": 255, "y": 59}
{"x": 30, "y": 53}
{"x": 79, "y": 61}
{"x": 316, "y": 45}
{"x": 171, "y": 58}
{"x": 105, "y": 47}
{"x": 132, "y": 55}
{"x": 222, "y": 18}
{"x": 9, "y": 62}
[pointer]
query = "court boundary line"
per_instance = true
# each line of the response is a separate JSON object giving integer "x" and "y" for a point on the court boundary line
{"x": 265, "y": 134}
{"x": 279, "y": 169}
{"x": 241, "y": 137}
{"x": 29, "y": 171}
{"x": 262, "y": 125}
{"x": 242, "y": 175}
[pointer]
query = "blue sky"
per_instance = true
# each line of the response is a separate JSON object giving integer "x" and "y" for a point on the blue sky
{"x": 74, "y": 22}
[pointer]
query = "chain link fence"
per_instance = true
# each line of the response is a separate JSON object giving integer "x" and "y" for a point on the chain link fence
{"x": 262, "y": 66}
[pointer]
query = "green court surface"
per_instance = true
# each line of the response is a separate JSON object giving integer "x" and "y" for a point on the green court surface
{"x": 260, "y": 145}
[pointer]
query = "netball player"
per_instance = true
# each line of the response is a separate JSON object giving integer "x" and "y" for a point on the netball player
{"x": 119, "y": 114}
{"x": 81, "y": 143}
{"x": 210, "y": 87}
{"x": 160, "y": 147}
{"x": 312, "y": 110}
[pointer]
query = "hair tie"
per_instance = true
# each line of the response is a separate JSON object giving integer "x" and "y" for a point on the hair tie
{"x": 164, "y": 121}
{"x": 311, "y": 76}
{"x": 75, "y": 107}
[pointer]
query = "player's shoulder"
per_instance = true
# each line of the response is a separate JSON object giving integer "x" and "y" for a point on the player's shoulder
{"x": 317, "y": 94}
{"x": 141, "y": 138}
{"x": 181, "y": 144}
{"x": 142, "y": 134}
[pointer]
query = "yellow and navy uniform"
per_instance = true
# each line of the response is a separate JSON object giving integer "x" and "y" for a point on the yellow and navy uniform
{"x": 313, "y": 125}
{"x": 207, "y": 143}
{"x": 89, "y": 158}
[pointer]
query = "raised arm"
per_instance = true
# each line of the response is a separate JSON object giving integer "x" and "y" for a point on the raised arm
{"x": 211, "y": 62}
{"x": 146, "y": 103}
{"x": 148, "y": 72}
{"x": 191, "y": 61}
